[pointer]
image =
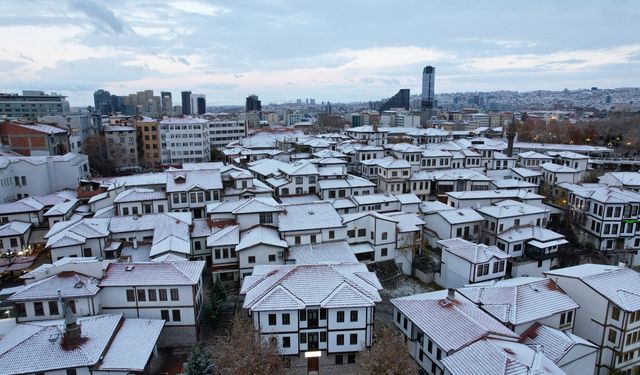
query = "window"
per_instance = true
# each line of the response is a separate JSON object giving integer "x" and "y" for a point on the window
{"x": 142, "y": 295}
{"x": 613, "y": 335}
{"x": 430, "y": 346}
{"x": 266, "y": 218}
{"x": 272, "y": 319}
{"x": 332, "y": 234}
{"x": 566, "y": 318}
{"x": 286, "y": 319}
{"x": 398, "y": 317}
{"x": 164, "y": 315}
{"x": 353, "y": 316}
{"x": 439, "y": 354}
{"x": 384, "y": 252}
{"x": 297, "y": 240}
{"x": 303, "y": 338}
{"x": 351, "y": 358}
{"x": 286, "y": 342}
{"x": 353, "y": 339}
{"x": 72, "y": 371}
{"x": 405, "y": 323}
{"x": 362, "y": 232}
{"x": 312, "y": 238}
{"x": 323, "y": 314}
{"x": 351, "y": 233}
{"x": 615, "y": 313}
{"x": 340, "y": 316}
{"x": 152, "y": 294}
{"x": 131, "y": 295}
{"x": 323, "y": 336}
{"x": 339, "y": 359}
{"x": 53, "y": 308}
{"x": 176, "y": 315}
{"x": 39, "y": 308}
{"x": 251, "y": 259}
{"x": 163, "y": 294}
{"x": 482, "y": 270}
{"x": 272, "y": 258}
{"x": 174, "y": 295}
{"x": 217, "y": 253}
{"x": 21, "y": 311}
{"x": 384, "y": 235}
{"x": 299, "y": 180}
{"x": 340, "y": 339}
{"x": 303, "y": 315}
{"x": 72, "y": 305}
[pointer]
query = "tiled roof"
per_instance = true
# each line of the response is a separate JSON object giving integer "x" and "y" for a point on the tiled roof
{"x": 500, "y": 357}
{"x": 260, "y": 235}
{"x": 619, "y": 285}
{"x": 450, "y": 324}
{"x": 186, "y": 272}
{"x": 139, "y": 194}
{"x": 520, "y": 300}
{"x": 474, "y": 253}
{"x": 322, "y": 253}
{"x": 554, "y": 342}
{"x": 557, "y": 168}
{"x": 310, "y": 285}
{"x": 14, "y": 228}
{"x": 227, "y": 236}
{"x": 132, "y": 346}
{"x": 70, "y": 285}
{"x": 205, "y": 179}
{"x": 300, "y": 217}
{"x": 460, "y": 215}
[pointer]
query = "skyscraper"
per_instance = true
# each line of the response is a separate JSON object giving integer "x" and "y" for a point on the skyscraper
{"x": 102, "y": 102}
{"x": 253, "y": 104}
{"x": 198, "y": 104}
{"x": 399, "y": 100}
{"x": 167, "y": 104}
{"x": 428, "y": 83}
{"x": 186, "y": 103}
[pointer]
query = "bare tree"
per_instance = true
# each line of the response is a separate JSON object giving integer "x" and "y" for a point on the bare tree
{"x": 245, "y": 352}
{"x": 389, "y": 355}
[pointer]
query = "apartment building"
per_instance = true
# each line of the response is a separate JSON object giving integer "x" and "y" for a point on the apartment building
{"x": 122, "y": 146}
{"x": 184, "y": 140}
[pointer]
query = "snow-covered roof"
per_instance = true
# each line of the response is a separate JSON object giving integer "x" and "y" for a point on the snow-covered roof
{"x": 557, "y": 168}
{"x": 43, "y": 128}
{"x": 260, "y": 235}
{"x": 530, "y": 232}
{"x": 554, "y": 342}
{"x": 512, "y": 183}
{"x": 619, "y": 285}
{"x": 494, "y": 194}
{"x": 139, "y": 194}
{"x": 300, "y": 217}
{"x": 35, "y": 347}
{"x": 408, "y": 198}
{"x": 70, "y": 285}
{"x": 390, "y": 162}
{"x": 61, "y": 208}
{"x": 435, "y": 315}
{"x": 14, "y": 228}
{"x": 460, "y": 215}
{"x": 205, "y": 179}
{"x": 534, "y": 155}
{"x": 430, "y": 207}
{"x": 621, "y": 178}
{"x": 407, "y": 221}
{"x": 132, "y": 346}
{"x": 474, "y": 253}
{"x": 67, "y": 233}
{"x": 525, "y": 172}
{"x": 185, "y": 272}
{"x": 24, "y": 205}
{"x": 361, "y": 200}
{"x": 509, "y": 208}
{"x": 520, "y": 300}
{"x": 322, "y": 253}
{"x": 288, "y": 287}
{"x": 227, "y": 236}
{"x": 500, "y": 357}
{"x": 245, "y": 206}
{"x": 183, "y": 120}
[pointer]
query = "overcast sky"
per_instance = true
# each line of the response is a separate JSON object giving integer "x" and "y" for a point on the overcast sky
{"x": 328, "y": 50}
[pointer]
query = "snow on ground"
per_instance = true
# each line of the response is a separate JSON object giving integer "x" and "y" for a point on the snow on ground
{"x": 403, "y": 286}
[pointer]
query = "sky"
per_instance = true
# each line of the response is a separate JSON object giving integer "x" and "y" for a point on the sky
{"x": 339, "y": 51}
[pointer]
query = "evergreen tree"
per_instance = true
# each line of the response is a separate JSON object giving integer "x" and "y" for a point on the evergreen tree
{"x": 199, "y": 362}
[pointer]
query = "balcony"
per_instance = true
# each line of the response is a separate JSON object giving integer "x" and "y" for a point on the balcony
{"x": 539, "y": 254}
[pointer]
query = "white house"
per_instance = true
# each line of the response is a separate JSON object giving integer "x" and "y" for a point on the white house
{"x": 451, "y": 222}
{"x": 609, "y": 314}
{"x": 168, "y": 290}
{"x": 316, "y": 222}
{"x": 140, "y": 201}
{"x": 534, "y": 249}
{"x": 463, "y": 262}
{"x": 14, "y": 236}
{"x": 509, "y": 214}
{"x": 323, "y": 313}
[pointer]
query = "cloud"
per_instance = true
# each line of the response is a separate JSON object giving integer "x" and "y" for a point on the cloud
{"x": 565, "y": 61}
{"x": 506, "y": 43}
{"x": 104, "y": 19}
{"x": 196, "y": 7}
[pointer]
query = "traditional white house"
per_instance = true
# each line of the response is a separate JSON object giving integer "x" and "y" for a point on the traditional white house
{"x": 451, "y": 222}
{"x": 625, "y": 180}
{"x": 192, "y": 190}
{"x": 609, "y": 314}
{"x": 258, "y": 246}
{"x": 140, "y": 201}
{"x": 553, "y": 174}
{"x": 520, "y": 302}
{"x": 372, "y": 235}
{"x": 532, "y": 160}
{"x": 169, "y": 290}
{"x": 14, "y": 236}
{"x": 463, "y": 262}
{"x": 509, "y": 214}
{"x": 323, "y": 313}
{"x": 316, "y": 222}
{"x": 534, "y": 249}
{"x": 439, "y": 324}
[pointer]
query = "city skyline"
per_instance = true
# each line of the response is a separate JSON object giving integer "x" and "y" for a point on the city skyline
{"x": 228, "y": 50}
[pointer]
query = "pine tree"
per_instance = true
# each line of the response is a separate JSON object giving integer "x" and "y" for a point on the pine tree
{"x": 199, "y": 362}
{"x": 217, "y": 299}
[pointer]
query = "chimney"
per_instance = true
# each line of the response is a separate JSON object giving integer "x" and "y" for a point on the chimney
{"x": 451, "y": 294}
{"x": 72, "y": 330}
{"x": 622, "y": 264}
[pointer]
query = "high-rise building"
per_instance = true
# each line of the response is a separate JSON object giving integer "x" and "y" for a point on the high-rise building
{"x": 167, "y": 103}
{"x": 253, "y": 103}
{"x": 186, "y": 103}
{"x": 198, "y": 104}
{"x": 428, "y": 85}
{"x": 102, "y": 102}
{"x": 32, "y": 104}
{"x": 399, "y": 100}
